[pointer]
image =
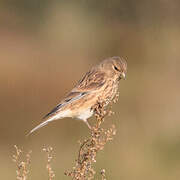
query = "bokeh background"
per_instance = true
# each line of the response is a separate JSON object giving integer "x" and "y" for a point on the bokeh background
{"x": 45, "y": 48}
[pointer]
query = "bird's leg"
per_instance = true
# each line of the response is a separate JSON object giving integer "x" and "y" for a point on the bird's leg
{"x": 89, "y": 126}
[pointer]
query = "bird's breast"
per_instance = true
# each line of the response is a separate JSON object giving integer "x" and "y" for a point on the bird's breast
{"x": 109, "y": 91}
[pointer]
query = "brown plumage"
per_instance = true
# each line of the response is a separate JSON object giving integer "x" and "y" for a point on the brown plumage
{"x": 100, "y": 83}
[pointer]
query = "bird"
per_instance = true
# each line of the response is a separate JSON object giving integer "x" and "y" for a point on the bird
{"x": 99, "y": 83}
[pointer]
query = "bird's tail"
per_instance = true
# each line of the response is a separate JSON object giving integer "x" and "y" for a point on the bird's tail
{"x": 42, "y": 124}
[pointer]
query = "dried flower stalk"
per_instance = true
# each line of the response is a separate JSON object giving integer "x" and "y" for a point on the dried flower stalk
{"x": 103, "y": 175}
{"x": 83, "y": 169}
{"x": 22, "y": 166}
{"x": 48, "y": 151}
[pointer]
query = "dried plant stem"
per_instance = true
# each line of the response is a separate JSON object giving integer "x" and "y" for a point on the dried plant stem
{"x": 103, "y": 176}
{"x": 83, "y": 169}
{"x": 48, "y": 151}
{"x": 22, "y": 166}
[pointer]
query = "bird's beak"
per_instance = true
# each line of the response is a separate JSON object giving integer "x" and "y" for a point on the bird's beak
{"x": 123, "y": 76}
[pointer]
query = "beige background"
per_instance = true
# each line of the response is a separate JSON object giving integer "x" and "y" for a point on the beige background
{"x": 45, "y": 48}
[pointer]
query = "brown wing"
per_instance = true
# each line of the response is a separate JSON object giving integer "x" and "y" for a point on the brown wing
{"x": 92, "y": 80}
{"x": 72, "y": 96}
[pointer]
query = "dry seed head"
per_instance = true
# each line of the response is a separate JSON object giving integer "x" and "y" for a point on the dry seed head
{"x": 83, "y": 169}
{"x": 22, "y": 166}
{"x": 48, "y": 151}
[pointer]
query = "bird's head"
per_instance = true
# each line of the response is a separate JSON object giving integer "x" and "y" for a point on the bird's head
{"x": 115, "y": 67}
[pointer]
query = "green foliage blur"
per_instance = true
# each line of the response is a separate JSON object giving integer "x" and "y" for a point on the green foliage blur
{"x": 45, "y": 48}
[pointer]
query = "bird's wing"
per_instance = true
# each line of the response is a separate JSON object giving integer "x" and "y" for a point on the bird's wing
{"x": 51, "y": 116}
{"x": 92, "y": 81}
{"x": 72, "y": 96}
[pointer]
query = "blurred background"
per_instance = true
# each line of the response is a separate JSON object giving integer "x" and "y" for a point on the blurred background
{"x": 45, "y": 48}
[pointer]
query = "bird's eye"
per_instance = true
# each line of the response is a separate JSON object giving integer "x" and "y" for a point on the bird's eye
{"x": 116, "y": 68}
